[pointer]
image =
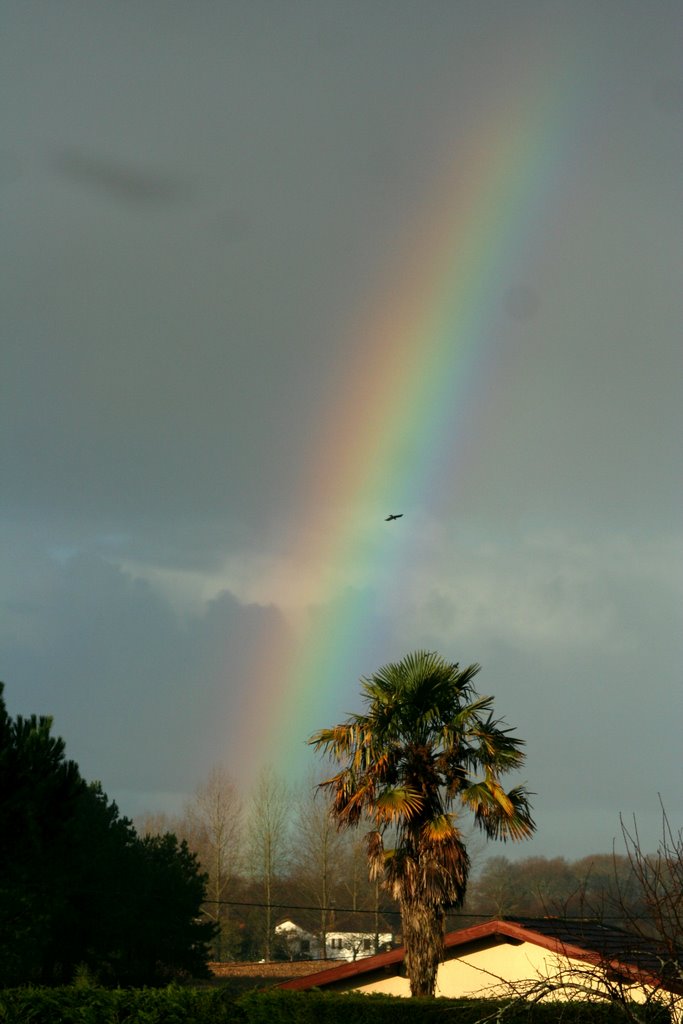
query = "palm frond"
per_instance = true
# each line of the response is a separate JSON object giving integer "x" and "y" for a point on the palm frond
{"x": 337, "y": 741}
{"x": 496, "y": 747}
{"x": 501, "y": 815}
{"x": 401, "y": 802}
{"x": 439, "y": 828}
{"x": 376, "y": 854}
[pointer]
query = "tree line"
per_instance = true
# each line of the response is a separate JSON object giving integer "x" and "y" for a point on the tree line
{"x": 277, "y": 854}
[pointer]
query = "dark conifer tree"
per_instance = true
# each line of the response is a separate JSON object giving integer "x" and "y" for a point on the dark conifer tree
{"x": 77, "y": 884}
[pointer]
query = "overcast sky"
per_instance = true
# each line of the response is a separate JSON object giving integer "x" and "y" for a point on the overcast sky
{"x": 204, "y": 206}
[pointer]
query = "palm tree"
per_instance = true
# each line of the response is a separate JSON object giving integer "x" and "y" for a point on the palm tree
{"x": 426, "y": 748}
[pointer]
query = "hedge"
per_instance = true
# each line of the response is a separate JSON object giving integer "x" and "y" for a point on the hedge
{"x": 316, "y": 1007}
{"x": 176, "y": 1005}
{"x": 91, "y": 1005}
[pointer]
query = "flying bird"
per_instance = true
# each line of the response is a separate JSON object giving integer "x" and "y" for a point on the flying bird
{"x": 393, "y": 516}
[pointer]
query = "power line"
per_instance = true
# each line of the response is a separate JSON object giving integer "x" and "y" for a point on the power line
{"x": 397, "y": 913}
{"x": 294, "y": 906}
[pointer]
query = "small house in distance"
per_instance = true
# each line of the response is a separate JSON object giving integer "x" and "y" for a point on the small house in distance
{"x": 539, "y": 958}
{"x": 346, "y": 938}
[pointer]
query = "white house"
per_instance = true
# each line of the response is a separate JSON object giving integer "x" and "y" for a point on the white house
{"x": 345, "y": 939}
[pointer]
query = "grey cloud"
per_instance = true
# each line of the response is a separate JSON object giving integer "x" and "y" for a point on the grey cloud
{"x": 144, "y": 699}
{"x": 120, "y": 180}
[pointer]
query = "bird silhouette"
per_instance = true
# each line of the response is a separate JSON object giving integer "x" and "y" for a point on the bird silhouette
{"x": 393, "y": 516}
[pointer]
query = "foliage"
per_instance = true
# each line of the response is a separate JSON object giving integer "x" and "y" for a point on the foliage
{"x": 73, "y": 1005}
{"x": 427, "y": 748}
{"x": 78, "y": 888}
{"x": 176, "y": 1005}
{"x": 40, "y": 792}
{"x": 283, "y": 1007}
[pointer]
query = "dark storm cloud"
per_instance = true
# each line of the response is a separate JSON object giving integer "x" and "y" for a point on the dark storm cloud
{"x": 144, "y": 700}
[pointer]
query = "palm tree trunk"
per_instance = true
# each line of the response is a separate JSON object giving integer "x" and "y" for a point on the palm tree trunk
{"x": 423, "y": 935}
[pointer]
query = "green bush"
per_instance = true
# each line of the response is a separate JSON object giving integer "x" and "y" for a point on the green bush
{"x": 315, "y": 1007}
{"x": 90, "y": 1005}
{"x": 87, "y": 1004}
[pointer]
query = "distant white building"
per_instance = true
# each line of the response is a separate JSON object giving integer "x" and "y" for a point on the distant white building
{"x": 344, "y": 940}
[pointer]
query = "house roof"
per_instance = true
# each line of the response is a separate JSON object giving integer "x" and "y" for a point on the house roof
{"x": 590, "y": 941}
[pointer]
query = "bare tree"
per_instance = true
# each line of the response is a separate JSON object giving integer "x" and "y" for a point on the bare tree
{"x": 318, "y": 854}
{"x": 213, "y": 820}
{"x": 659, "y": 879}
{"x": 353, "y": 861}
{"x": 268, "y": 845}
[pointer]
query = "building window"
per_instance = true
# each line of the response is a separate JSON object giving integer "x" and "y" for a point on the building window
{"x": 305, "y": 945}
{"x": 367, "y": 943}
{"x": 336, "y": 942}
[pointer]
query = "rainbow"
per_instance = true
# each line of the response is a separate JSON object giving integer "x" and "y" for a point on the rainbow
{"x": 395, "y": 419}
